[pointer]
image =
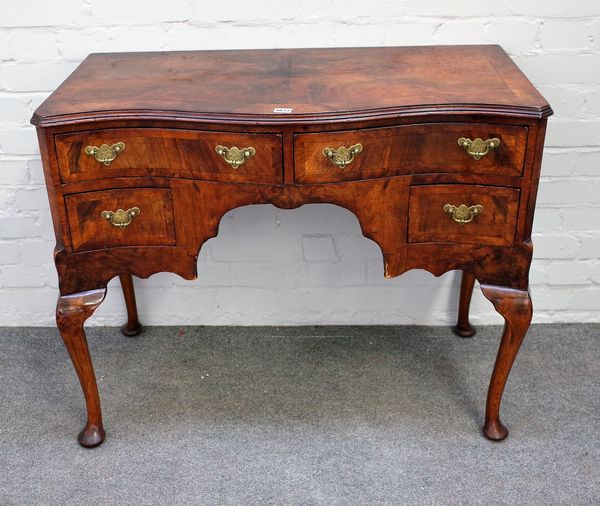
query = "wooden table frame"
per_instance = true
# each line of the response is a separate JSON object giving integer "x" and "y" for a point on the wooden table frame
{"x": 171, "y": 112}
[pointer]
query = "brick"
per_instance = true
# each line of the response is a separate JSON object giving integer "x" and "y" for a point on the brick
{"x": 586, "y": 163}
{"x": 547, "y": 220}
{"x": 312, "y": 34}
{"x": 514, "y": 35}
{"x": 561, "y": 34}
{"x": 35, "y": 172}
{"x": 51, "y": 275}
{"x": 462, "y": 32}
{"x": 571, "y": 162}
{"x": 451, "y": 9}
{"x": 409, "y": 34}
{"x": 35, "y": 13}
{"x": 4, "y": 48}
{"x": 214, "y": 274}
{"x": 245, "y": 249}
{"x": 9, "y": 253}
{"x": 582, "y": 219}
{"x": 596, "y": 275}
{"x": 13, "y": 276}
{"x": 317, "y": 248}
{"x": 138, "y": 38}
{"x": 28, "y": 307}
{"x": 36, "y": 100}
{"x": 181, "y": 37}
{"x": 567, "y": 100}
{"x": 538, "y": 273}
{"x": 569, "y": 273}
{"x": 548, "y": 9}
{"x": 323, "y": 274}
{"x": 31, "y": 199}
{"x": 78, "y": 43}
{"x": 36, "y": 252}
{"x": 554, "y": 246}
{"x": 346, "y": 34}
{"x": 560, "y": 68}
{"x": 586, "y": 299}
{"x": 46, "y": 227}
{"x": 590, "y": 248}
{"x": 573, "y": 133}
{"x": 358, "y": 247}
{"x": 13, "y": 172}
{"x": 18, "y": 227}
{"x": 592, "y": 103}
{"x": 564, "y": 191}
{"x": 248, "y": 11}
{"x": 267, "y": 275}
{"x": 117, "y": 12}
{"x": 550, "y": 298}
{"x": 33, "y": 45}
{"x": 34, "y": 76}
{"x": 557, "y": 163}
{"x": 14, "y": 108}
{"x": 19, "y": 141}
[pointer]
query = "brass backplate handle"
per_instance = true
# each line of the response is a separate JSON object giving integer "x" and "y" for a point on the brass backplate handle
{"x": 463, "y": 213}
{"x": 478, "y": 148}
{"x": 342, "y": 156}
{"x": 121, "y": 218}
{"x": 105, "y": 154}
{"x": 235, "y": 156}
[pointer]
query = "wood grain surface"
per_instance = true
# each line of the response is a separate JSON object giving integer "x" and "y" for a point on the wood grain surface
{"x": 407, "y": 107}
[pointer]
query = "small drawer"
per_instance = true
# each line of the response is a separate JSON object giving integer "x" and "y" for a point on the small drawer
{"x": 488, "y": 214}
{"x": 410, "y": 149}
{"x": 129, "y": 217}
{"x": 138, "y": 152}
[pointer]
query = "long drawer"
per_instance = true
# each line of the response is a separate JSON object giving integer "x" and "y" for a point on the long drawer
{"x": 477, "y": 148}
{"x": 212, "y": 156}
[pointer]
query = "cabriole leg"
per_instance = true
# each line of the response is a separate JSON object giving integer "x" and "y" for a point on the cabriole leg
{"x": 132, "y": 327}
{"x": 71, "y": 313}
{"x": 516, "y": 309}
{"x": 463, "y": 326}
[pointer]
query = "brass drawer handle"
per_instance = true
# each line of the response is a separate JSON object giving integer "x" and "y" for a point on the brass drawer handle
{"x": 105, "y": 154}
{"x": 120, "y": 218}
{"x": 463, "y": 214}
{"x": 478, "y": 148}
{"x": 342, "y": 156}
{"x": 234, "y": 156}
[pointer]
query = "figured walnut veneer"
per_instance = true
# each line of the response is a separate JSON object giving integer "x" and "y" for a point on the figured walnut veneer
{"x": 177, "y": 139}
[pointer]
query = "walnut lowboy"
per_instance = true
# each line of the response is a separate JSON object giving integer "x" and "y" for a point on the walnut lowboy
{"x": 144, "y": 153}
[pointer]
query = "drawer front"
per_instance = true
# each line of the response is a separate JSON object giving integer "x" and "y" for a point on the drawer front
{"x": 169, "y": 152}
{"x": 409, "y": 149}
{"x": 129, "y": 217}
{"x": 489, "y": 215}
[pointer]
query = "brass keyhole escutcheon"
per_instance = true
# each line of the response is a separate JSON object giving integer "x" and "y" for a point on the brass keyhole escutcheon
{"x": 342, "y": 156}
{"x": 121, "y": 218}
{"x": 235, "y": 156}
{"x": 463, "y": 214}
{"x": 478, "y": 148}
{"x": 105, "y": 154}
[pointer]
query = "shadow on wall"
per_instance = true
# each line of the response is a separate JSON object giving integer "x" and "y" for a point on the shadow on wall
{"x": 305, "y": 266}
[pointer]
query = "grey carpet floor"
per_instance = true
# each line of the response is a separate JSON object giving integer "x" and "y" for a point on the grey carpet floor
{"x": 301, "y": 416}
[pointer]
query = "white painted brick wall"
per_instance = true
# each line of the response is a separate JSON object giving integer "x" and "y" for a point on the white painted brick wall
{"x": 310, "y": 265}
